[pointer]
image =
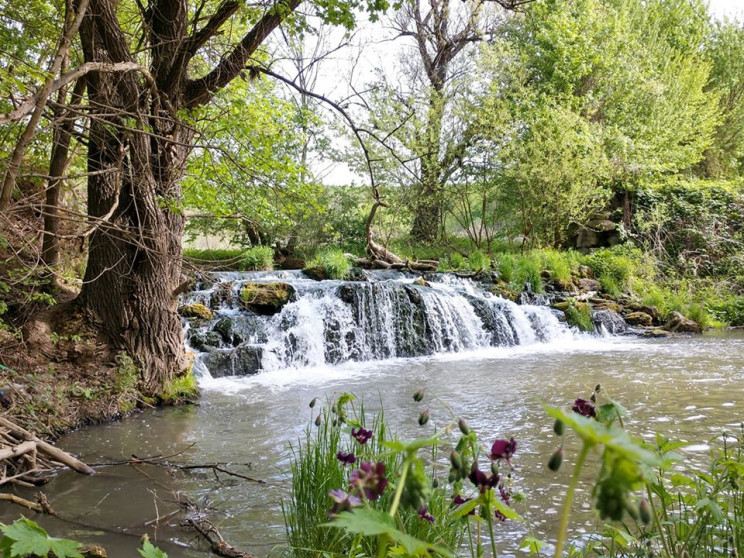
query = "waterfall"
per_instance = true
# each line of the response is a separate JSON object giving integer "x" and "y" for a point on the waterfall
{"x": 332, "y": 322}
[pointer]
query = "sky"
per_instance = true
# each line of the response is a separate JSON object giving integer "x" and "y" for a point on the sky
{"x": 730, "y": 8}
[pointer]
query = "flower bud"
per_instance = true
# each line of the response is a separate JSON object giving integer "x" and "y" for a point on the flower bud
{"x": 424, "y": 417}
{"x": 418, "y": 396}
{"x": 452, "y": 476}
{"x": 464, "y": 428}
{"x": 494, "y": 468}
{"x": 317, "y": 420}
{"x": 456, "y": 460}
{"x": 435, "y": 483}
{"x": 313, "y": 402}
{"x": 644, "y": 511}
{"x": 558, "y": 427}
{"x": 556, "y": 459}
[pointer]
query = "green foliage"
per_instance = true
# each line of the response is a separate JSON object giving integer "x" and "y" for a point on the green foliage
{"x": 616, "y": 267}
{"x": 579, "y": 314}
{"x": 181, "y": 388}
{"x": 478, "y": 261}
{"x": 148, "y": 550}
{"x": 258, "y": 258}
{"x": 334, "y": 261}
{"x": 127, "y": 374}
{"x": 24, "y": 538}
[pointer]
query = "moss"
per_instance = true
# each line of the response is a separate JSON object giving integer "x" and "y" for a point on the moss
{"x": 180, "y": 389}
{"x": 266, "y": 298}
{"x": 579, "y": 314}
{"x": 196, "y": 310}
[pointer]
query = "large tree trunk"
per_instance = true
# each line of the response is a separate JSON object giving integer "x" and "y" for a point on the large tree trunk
{"x": 135, "y": 156}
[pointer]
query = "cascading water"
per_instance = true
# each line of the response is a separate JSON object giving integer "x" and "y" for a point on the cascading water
{"x": 391, "y": 315}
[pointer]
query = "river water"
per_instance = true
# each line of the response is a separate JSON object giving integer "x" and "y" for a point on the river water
{"x": 688, "y": 388}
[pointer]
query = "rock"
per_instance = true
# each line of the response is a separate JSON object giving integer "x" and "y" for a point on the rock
{"x": 655, "y": 333}
{"x": 610, "y": 305}
{"x": 602, "y": 225}
{"x": 236, "y": 330}
{"x": 421, "y": 282}
{"x": 196, "y": 310}
{"x": 586, "y": 272}
{"x": 679, "y": 323}
{"x": 242, "y": 361}
{"x": 563, "y": 305}
{"x": 317, "y": 273}
{"x": 610, "y": 321}
{"x": 222, "y": 296}
{"x": 266, "y": 299}
{"x": 638, "y": 307}
{"x": 357, "y": 274}
{"x": 292, "y": 263}
{"x": 586, "y": 285}
{"x": 504, "y": 292}
{"x": 639, "y": 319}
{"x": 205, "y": 342}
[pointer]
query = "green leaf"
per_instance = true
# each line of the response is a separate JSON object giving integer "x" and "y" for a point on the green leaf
{"x": 363, "y": 521}
{"x": 28, "y": 539}
{"x": 464, "y": 509}
{"x": 533, "y": 544}
{"x": 148, "y": 550}
{"x": 712, "y": 506}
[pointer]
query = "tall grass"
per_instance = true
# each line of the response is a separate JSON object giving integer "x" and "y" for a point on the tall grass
{"x": 335, "y": 263}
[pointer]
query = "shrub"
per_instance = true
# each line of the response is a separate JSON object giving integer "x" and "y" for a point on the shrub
{"x": 478, "y": 261}
{"x": 258, "y": 258}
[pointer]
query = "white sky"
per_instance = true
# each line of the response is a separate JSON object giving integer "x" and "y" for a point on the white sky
{"x": 730, "y": 8}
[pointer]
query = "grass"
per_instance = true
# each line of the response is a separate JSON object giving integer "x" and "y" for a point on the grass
{"x": 335, "y": 263}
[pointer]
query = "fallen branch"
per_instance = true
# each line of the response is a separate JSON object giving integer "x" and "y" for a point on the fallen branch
{"x": 218, "y": 467}
{"x": 212, "y": 535}
{"x": 4, "y": 497}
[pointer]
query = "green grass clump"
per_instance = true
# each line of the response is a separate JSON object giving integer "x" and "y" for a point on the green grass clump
{"x": 335, "y": 263}
{"x": 579, "y": 314}
{"x": 478, "y": 261}
{"x": 258, "y": 258}
{"x": 560, "y": 264}
{"x": 181, "y": 389}
{"x": 617, "y": 268}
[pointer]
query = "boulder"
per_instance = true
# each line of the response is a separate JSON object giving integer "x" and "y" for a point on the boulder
{"x": 639, "y": 319}
{"x": 318, "y": 273}
{"x": 236, "y": 330}
{"x": 503, "y": 291}
{"x": 676, "y": 322}
{"x": 638, "y": 307}
{"x": 242, "y": 361}
{"x": 357, "y": 274}
{"x": 205, "y": 342}
{"x": 196, "y": 310}
{"x": 291, "y": 263}
{"x": 266, "y": 299}
{"x": 610, "y": 321}
{"x": 655, "y": 333}
{"x": 586, "y": 285}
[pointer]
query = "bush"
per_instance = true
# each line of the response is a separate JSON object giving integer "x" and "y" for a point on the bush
{"x": 478, "y": 261}
{"x": 615, "y": 268}
{"x": 258, "y": 258}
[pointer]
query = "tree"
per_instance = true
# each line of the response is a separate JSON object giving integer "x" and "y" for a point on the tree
{"x": 147, "y": 68}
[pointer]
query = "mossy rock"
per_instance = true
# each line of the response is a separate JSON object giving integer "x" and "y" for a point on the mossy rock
{"x": 579, "y": 314}
{"x": 318, "y": 273}
{"x": 196, "y": 310}
{"x": 504, "y": 292}
{"x": 266, "y": 299}
{"x": 608, "y": 305}
{"x": 681, "y": 324}
{"x": 639, "y": 319}
{"x": 562, "y": 306}
{"x": 647, "y": 309}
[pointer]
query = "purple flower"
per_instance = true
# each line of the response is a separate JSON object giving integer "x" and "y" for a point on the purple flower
{"x": 584, "y": 407}
{"x": 483, "y": 481}
{"x": 343, "y": 501}
{"x": 504, "y": 498}
{"x": 361, "y": 435}
{"x": 459, "y": 501}
{"x": 424, "y": 514}
{"x": 346, "y": 458}
{"x": 503, "y": 449}
{"x": 369, "y": 479}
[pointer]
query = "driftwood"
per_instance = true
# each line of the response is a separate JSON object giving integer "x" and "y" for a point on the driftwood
{"x": 24, "y": 457}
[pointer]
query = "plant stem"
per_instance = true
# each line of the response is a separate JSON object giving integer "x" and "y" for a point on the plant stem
{"x": 399, "y": 488}
{"x": 563, "y": 526}
{"x": 489, "y": 519}
{"x": 657, "y": 523}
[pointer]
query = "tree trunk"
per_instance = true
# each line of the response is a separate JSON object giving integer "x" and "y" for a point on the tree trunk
{"x": 134, "y": 251}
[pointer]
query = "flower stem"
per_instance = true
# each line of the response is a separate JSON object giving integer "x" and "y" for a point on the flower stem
{"x": 489, "y": 519}
{"x": 382, "y": 541}
{"x": 568, "y": 501}
{"x": 657, "y": 523}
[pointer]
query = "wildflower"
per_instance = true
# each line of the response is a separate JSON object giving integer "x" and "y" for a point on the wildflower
{"x": 503, "y": 449}
{"x": 343, "y": 501}
{"x": 369, "y": 479}
{"x": 481, "y": 480}
{"x": 423, "y": 417}
{"x": 424, "y": 514}
{"x": 418, "y": 396}
{"x": 459, "y": 501}
{"x": 346, "y": 458}
{"x": 584, "y": 407}
{"x": 361, "y": 435}
{"x": 504, "y": 498}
